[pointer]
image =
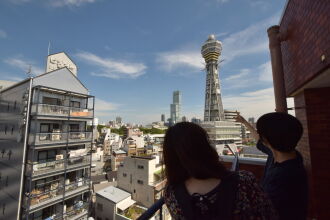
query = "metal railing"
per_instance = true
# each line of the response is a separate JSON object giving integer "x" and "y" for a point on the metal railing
{"x": 78, "y": 161}
{"x": 37, "y": 197}
{"x": 49, "y": 138}
{"x": 63, "y": 111}
{"x": 39, "y": 168}
{"x": 60, "y": 137}
{"x": 56, "y": 188}
{"x": 76, "y": 210}
{"x": 80, "y": 136}
{"x": 158, "y": 206}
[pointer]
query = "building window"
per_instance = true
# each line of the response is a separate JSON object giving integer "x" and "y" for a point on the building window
{"x": 75, "y": 104}
{"x": 140, "y": 182}
{"x": 124, "y": 174}
{"x": 140, "y": 167}
{"x": 99, "y": 207}
{"x": 51, "y": 101}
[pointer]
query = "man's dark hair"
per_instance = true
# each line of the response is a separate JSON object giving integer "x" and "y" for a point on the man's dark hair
{"x": 281, "y": 130}
{"x": 188, "y": 153}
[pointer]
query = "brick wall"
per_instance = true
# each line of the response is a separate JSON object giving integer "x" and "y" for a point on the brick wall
{"x": 318, "y": 120}
{"x": 315, "y": 146}
{"x": 307, "y": 23}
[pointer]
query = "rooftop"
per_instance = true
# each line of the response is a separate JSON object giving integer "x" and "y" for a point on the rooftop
{"x": 113, "y": 194}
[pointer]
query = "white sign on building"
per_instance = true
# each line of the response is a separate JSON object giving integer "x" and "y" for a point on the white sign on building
{"x": 60, "y": 60}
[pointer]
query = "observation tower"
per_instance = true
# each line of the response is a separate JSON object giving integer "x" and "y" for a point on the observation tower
{"x": 213, "y": 109}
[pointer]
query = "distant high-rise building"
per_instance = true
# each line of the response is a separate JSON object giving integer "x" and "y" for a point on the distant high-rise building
{"x": 196, "y": 120}
{"x": 211, "y": 51}
{"x": 176, "y": 107}
{"x": 184, "y": 118}
{"x": 163, "y": 117}
{"x": 251, "y": 120}
{"x": 118, "y": 120}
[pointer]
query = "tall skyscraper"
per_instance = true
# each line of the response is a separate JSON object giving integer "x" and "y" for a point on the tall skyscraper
{"x": 211, "y": 51}
{"x": 163, "y": 117}
{"x": 118, "y": 120}
{"x": 176, "y": 107}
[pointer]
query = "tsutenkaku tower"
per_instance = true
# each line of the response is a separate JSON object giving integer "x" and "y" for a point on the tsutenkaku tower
{"x": 211, "y": 51}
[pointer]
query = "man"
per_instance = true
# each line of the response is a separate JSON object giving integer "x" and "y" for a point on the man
{"x": 285, "y": 179}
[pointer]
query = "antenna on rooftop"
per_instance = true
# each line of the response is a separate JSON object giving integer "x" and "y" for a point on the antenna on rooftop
{"x": 29, "y": 72}
{"x": 48, "y": 48}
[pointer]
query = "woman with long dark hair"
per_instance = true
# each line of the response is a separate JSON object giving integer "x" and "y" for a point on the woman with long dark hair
{"x": 200, "y": 187}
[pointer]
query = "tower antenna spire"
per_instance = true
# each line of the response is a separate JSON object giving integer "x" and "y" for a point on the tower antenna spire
{"x": 48, "y": 48}
{"x": 29, "y": 71}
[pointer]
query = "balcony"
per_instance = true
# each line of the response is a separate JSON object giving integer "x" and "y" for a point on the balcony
{"x": 37, "y": 169}
{"x": 48, "y": 138}
{"x": 61, "y": 111}
{"x": 57, "y": 191}
{"x": 59, "y": 138}
{"x": 74, "y": 162}
{"x": 80, "y": 136}
{"x": 40, "y": 168}
{"x": 76, "y": 211}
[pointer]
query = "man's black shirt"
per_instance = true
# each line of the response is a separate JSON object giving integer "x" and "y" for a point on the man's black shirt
{"x": 286, "y": 185}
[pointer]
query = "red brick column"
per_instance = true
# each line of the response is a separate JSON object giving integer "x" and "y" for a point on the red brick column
{"x": 315, "y": 146}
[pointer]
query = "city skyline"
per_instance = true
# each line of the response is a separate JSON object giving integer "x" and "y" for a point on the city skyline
{"x": 136, "y": 80}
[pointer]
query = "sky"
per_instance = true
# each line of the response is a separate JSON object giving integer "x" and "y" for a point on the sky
{"x": 132, "y": 55}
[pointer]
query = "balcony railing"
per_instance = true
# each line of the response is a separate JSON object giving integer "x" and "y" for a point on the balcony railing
{"x": 80, "y": 136}
{"x": 62, "y": 111}
{"x": 76, "y": 185}
{"x": 38, "y": 198}
{"x": 73, "y": 162}
{"x": 60, "y": 137}
{"x": 39, "y": 168}
{"x": 49, "y": 138}
{"x": 76, "y": 211}
{"x": 51, "y": 166}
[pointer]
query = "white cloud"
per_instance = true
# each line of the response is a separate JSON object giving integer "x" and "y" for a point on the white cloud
{"x": 171, "y": 60}
{"x": 265, "y": 72}
{"x": 242, "y": 73}
{"x": 24, "y": 65}
{"x": 70, "y": 3}
{"x": 222, "y": 1}
{"x": 251, "y": 40}
{"x": 255, "y": 103}
{"x": 102, "y": 105}
{"x": 113, "y": 68}
{"x": 260, "y": 4}
{"x": 104, "y": 108}
{"x": 3, "y": 34}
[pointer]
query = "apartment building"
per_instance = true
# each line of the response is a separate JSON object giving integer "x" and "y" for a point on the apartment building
{"x": 111, "y": 204}
{"x": 117, "y": 159}
{"x": 142, "y": 177}
{"x": 45, "y": 145}
{"x": 134, "y": 145}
